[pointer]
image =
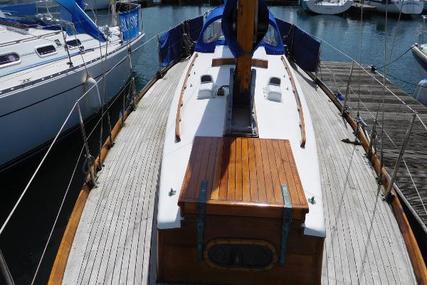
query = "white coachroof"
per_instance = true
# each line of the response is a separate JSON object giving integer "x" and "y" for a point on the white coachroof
{"x": 276, "y": 119}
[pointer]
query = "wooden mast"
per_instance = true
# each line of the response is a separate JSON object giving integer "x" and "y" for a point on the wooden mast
{"x": 247, "y": 11}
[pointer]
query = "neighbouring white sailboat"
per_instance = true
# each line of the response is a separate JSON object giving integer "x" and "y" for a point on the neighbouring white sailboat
{"x": 47, "y": 64}
{"x": 327, "y": 7}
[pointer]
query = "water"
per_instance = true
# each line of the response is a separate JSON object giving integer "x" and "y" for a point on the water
{"x": 364, "y": 40}
{"x": 26, "y": 235}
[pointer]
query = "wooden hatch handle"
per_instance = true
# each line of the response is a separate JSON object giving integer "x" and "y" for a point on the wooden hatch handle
{"x": 181, "y": 101}
{"x": 298, "y": 100}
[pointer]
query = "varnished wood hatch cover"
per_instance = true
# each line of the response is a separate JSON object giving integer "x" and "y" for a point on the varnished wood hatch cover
{"x": 244, "y": 177}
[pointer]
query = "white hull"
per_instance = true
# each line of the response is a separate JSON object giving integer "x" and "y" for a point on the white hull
{"x": 327, "y": 8}
{"x": 407, "y": 7}
{"x": 27, "y": 124}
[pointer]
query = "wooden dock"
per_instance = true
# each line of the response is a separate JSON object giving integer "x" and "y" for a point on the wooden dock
{"x": 365, "y": 96}
{"x": 116, "y": 238}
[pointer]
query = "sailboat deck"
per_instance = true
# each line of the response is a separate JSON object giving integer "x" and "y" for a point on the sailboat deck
{"x": 115, "y": 241}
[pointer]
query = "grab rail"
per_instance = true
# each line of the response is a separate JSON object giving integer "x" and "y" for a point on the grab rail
{"x": 298, "y": 101}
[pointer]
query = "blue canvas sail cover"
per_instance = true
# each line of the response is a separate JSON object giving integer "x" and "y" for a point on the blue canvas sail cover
{"x": 71, "y": 11}
{"x": 130, "y": 23}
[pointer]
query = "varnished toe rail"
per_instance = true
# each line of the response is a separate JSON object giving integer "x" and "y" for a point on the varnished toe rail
{"x": 298, "y": 100}
{"x": 181, "y": 100}
{"x": 414, "y": 252}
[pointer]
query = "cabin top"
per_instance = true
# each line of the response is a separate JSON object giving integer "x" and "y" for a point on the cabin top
{"x": 242, "y": 177}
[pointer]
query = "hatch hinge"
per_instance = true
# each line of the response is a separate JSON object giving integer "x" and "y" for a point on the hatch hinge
{"x": 200, "y": 224}
{"x": 286, "y": 223}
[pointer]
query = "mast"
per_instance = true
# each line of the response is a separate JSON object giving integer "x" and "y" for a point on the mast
{"x": 246, "y": 22}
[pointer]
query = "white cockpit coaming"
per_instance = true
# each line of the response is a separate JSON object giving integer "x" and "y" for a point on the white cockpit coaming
{"x": 274, "y": 119}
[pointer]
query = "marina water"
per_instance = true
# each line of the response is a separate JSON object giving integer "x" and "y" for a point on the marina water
{"x": 29, "y": 228}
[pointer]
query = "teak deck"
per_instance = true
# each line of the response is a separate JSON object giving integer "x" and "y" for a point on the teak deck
{"x": 117, "y": 238}
{"x": 240, "y": 173}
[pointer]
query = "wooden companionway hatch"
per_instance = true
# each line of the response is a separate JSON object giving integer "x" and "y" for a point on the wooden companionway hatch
{"x": 243, "y": 209}
{"x": 243, "y": 176}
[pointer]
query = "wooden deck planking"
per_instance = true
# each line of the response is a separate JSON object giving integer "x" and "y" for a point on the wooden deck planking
{"x": 361, "y": 228}
{"x": 113, "y": 241}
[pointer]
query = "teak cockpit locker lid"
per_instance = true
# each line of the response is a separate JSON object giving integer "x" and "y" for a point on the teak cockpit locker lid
{"x": 241, "y": 177}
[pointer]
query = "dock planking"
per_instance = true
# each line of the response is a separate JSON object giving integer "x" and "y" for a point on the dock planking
{"x": 116, "y": 239}
{"x": 366, "y": 95}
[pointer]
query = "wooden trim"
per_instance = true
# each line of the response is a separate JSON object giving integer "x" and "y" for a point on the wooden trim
{"x": 58, "y": 269}
{"x": 261, "y": 63}
{"x": 414, "y": 252}
{"x": 240, "y": 241}
{"x": 178, "y": 118}
{"x": 61, "y": 259}
{"x": 298, "y": 100}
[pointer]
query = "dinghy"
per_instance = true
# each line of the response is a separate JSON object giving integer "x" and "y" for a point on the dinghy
{"x": 240, "y": 198}
{"x": 327, "y": 7}
{"x": 47, "y": 64}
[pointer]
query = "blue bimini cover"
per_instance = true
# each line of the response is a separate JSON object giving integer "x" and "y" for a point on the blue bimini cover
{"x": 130, "y": 22}
{"x": 171, "y": 45}
{"x": 209, "y": 45}
{"x": 71, "y": 11}
{"x": 211, "y": 36}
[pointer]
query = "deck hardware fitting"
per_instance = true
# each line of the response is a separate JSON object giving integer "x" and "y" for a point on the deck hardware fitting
{"x": 311, "y": 200}
{"x": 172, "y": 192}
{"x": 200, "y": 226}
{"x": 355, "y": 142}
{"x": 286, "y": 223}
